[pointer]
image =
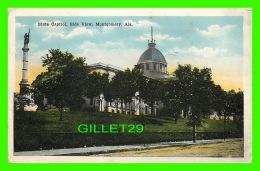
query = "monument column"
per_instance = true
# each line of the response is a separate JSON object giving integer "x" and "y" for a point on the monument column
{"x": 24, "y": 84}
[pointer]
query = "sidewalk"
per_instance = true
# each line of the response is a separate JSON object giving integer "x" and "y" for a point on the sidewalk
{"x": 106, "y": 149}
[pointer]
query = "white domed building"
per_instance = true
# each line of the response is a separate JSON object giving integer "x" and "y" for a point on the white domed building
{"x": 154, "y": 66}
{"x": 153, "y": 62}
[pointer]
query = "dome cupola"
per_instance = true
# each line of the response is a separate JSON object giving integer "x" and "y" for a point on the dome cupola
{"x": 153, "y": 62}
{"x": 152, "y": 54}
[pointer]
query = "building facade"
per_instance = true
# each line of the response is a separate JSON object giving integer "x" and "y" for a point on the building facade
{"x": 154, "y": 66}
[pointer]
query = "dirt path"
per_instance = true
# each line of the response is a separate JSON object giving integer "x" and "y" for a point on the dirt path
{"x": 228, "y": 148}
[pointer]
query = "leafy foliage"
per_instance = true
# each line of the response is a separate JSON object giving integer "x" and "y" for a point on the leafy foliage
{"x": 151, "y": 91}
{"x": 63, "y": 82}
{"x": 125, "y": 84}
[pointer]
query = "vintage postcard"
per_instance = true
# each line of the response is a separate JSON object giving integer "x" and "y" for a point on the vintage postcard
{"x": 130, "y": 85}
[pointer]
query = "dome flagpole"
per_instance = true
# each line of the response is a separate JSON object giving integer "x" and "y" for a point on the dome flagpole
{"x": 152, "y": 34}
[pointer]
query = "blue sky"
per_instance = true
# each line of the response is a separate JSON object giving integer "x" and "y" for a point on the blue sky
{"x": 214, "y": 42}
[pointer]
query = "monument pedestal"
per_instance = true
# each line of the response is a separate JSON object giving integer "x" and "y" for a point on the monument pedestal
{"x": 26, "y": 97}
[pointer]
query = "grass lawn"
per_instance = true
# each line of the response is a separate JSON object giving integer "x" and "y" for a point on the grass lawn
{"x": 43, "y": 130}
{"x": 48, "y": 121}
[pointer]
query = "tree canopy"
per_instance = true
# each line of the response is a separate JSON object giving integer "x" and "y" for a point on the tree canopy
{"x": 67, "y": 79}
{"x": 63, "y": 82}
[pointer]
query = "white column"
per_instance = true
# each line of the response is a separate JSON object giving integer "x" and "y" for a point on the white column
{"x": 25, "y": 63}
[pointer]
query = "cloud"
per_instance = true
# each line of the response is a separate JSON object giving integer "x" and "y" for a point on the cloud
{"x": 110, "y": 53}
{"x": 195, "y": 51}
{"x": 87, "y": 44}
{"x": 205, "y": 56}
{"x": 206, "y": 51}
{"x": 79, "y": 31}
{"x": 50, "y": 31}
{"x": 117, "y": 44}
{"x": 227, "y": 73}
{"x": 158, "y": 37}
{"x": 216, "y": 30}
{"x": 226, "y": 68}
{"x": 19, "y": 25}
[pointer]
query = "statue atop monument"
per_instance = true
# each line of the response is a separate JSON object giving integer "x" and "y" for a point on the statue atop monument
{"x": 27, "y": 37}
{"x": 26, "y": 96}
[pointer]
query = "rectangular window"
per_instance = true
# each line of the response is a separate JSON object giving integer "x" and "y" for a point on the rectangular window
{"x": 154, "y": 66}
{"x": 147, "y": 66}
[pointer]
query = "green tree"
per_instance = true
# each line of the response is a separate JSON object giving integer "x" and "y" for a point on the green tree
{"x": 235, "y": 107}
{"x": 151, "y": 91}
{"x": 194, "y": 92}
{"x": 134, "y": 78}
{"x": 63, "y": 82}
{"x": 173, "y": 103}
{"x": 218, "y": 103}
{"x": 39, "y": 90}
{"x": 119, "y": 84}
{"x": 201, "y": 81}
{"x": 95, "y": 85}
{"x": 239, "y": 112}
{"x": 184, "y": 75}
{"x": 218, "y": 98}
{"x": 124, "y": 86}
{"x": 129, "y": 88}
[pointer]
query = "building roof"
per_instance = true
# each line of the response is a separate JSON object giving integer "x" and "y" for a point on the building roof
{"x": 152, "y": 54}
{"x": 105, "y": 67}
{"x": 159, "y": 76}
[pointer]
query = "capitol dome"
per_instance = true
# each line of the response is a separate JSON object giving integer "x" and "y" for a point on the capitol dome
{"x": 152, "y": 54}
{"x": 153, "y": 62}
